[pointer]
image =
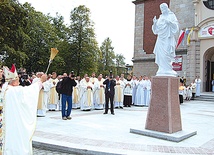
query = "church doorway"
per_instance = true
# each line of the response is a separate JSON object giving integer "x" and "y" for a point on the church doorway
{"x": 209, "y": 68}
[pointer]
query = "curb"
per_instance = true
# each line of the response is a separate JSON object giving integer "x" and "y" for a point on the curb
{"x": 70, "y": 150}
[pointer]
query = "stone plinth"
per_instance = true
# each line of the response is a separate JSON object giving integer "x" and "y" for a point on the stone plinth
{"x": 174, "y": 137}
{"x": 164, "y": 110}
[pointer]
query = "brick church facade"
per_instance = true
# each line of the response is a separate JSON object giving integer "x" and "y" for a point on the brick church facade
{"x": 197, "y": 57}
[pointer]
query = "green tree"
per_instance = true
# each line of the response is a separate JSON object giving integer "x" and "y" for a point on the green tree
{"x": 12, "y": 35}
{"x": 26, "y": 36}
{"x": 107, "y": 57}
{"x": 62, "y": 43}
{"x": 120, "y": 64}
{"x": 84, "y": 50}
{"x": 41, "y": 37}
{"x": 59, "y": 26}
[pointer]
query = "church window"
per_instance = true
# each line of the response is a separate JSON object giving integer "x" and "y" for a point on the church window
{"x": 209, "y": 4}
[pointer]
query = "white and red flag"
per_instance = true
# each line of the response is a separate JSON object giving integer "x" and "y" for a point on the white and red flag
{"x": 180, "y": 38}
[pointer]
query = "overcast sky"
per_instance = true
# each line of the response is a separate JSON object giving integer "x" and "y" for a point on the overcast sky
{"x": 112, "y": 18}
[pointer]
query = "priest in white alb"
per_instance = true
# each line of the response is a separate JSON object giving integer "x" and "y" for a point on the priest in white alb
{"x": 128, "y": 92}
{"x": 86, "y": 98}
{"x": 134, "y": 88}
{"x": 139, "y": 98}
{"x": 20, "y": 105}
{"x": 44, "y": 94}
{"x": 99, "y": 93}
{"x": 93, "y": 79}
{"x": 118, "y": 96}
{"x": 147, "y": 91}
{"x": 198, "y": 86}
{"x": 54, "y": 97}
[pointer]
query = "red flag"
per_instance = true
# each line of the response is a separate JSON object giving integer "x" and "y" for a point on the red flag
{"x": 181, "y": 37}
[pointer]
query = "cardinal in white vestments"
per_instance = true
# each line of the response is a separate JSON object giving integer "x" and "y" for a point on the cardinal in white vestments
{"x": 86, "y": 98}
{"x": 99, "y": 93}
{"x": 20, "y": 105}
{"x": 118, "y": 96}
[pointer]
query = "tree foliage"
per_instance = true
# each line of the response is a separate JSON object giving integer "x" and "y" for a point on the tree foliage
{"x": 84, "y": 49}
{"x": 27, "y": 35}
{"x": 12, "y": 35}
{"x": 120, "y": 64}
{"x": 41, "y": 38}
{"x": 107, "y": 57}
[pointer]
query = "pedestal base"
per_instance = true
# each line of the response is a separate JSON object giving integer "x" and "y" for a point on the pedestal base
{"x": 164, "y": 110}
{"x": 174, "y": 137}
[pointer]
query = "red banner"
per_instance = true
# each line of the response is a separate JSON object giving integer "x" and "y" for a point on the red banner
{"x": 177, "y": 64}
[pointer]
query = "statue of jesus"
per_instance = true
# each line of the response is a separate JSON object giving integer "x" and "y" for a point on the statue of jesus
{"x": 166, "y": 28}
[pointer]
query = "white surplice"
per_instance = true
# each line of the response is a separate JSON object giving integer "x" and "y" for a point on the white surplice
{"x": 139, "y": 98}
{"x": 86, "y": 98}
{"x": 99, "y": 95}
{"x": 128, "y": 89}
{"x": 198, "y": 87}
{"x": 119, "y": 94}
{"x": 43, "y": 99}
{"x": 134, "y": 90}
{"x": 76, "y": 96}
{"x": 54, "y": 97}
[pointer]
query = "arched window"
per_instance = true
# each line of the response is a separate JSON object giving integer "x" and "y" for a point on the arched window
{"x": 209, "y": 4}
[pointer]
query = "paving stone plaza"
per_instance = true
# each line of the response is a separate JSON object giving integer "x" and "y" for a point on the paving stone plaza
{"x": 91, "y": 132}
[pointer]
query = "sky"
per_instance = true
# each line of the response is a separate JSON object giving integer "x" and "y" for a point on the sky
{"x": 112, "y": 18}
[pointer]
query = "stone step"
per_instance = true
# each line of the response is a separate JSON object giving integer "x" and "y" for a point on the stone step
{"x": 208, "y": 100}
{"x": 205, "y": 98}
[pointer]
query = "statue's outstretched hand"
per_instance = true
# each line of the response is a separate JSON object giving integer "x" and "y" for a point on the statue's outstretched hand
{"x": 154, "y": 19}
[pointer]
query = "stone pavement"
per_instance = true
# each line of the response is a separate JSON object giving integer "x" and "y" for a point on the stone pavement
{"x": 91, "y": 132}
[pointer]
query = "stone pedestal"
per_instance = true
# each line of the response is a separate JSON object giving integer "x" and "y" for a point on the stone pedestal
{"x": 164, "y": 110}
{"x": 163, "y": 117}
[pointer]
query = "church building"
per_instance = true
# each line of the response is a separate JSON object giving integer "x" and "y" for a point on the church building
{"x": 195, "y": 53}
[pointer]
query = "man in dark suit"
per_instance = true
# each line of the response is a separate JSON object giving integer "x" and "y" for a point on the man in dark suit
{"x": 109, "y": 93}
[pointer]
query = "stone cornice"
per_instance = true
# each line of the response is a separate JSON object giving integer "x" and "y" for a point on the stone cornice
{"x": 144, "y": 59}
{"x": 138, "y": 1}
{"x": 196, "y": 1}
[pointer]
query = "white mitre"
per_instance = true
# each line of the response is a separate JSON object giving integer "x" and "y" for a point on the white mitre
{"x": 10, "y": 74}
